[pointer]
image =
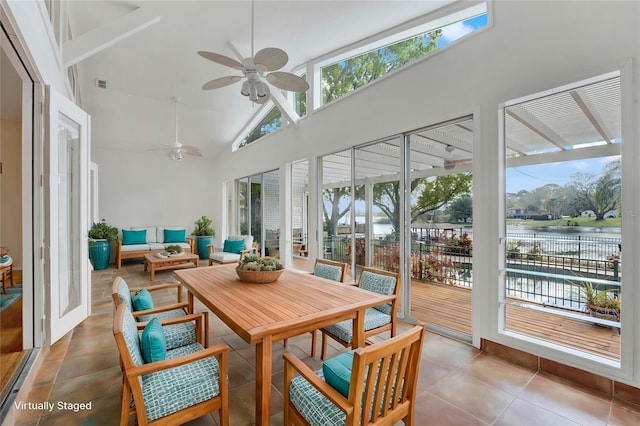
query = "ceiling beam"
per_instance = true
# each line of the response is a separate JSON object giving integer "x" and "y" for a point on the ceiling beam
{"x": 568, "y": 155}
{"x": 591, "y": 112}
{"x": 530, "y": 121}
{"x": 98, "y": 39}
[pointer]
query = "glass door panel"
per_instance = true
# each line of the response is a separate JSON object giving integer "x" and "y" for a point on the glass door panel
{"x": 243, "y": 206}
{"x": 335, "y": 172}
{"x": 271, "y": 213}
{"x": 255, "y": 210}
{"x": 67, "y": 169}
{"x": 378, "y": 205}
{"x": 299, "y": 211}
{"x": 441, "y": 231}
{"x": 563, "y": 227}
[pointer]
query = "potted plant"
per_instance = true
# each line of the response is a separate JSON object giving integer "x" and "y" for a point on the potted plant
{"x": 204, "y": 234}
{"x": 604, "y": 304}
{"x": 101, "y": 234}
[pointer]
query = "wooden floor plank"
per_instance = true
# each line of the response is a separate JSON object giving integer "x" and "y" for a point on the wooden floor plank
{"x": 450, "y": 307}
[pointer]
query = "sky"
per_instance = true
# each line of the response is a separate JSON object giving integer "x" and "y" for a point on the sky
{"x": 532, "y": 177}
{"x": 460, "y": 29}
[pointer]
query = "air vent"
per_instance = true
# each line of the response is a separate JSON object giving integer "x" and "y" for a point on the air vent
{"x": 101, "y": 84}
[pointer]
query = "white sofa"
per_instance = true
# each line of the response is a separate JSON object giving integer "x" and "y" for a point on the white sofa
{"x": 129, "y": 244}
{"x": 220, "y": 256}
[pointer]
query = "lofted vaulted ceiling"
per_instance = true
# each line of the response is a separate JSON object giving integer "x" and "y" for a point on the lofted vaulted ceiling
{"x": 155, "y": 59}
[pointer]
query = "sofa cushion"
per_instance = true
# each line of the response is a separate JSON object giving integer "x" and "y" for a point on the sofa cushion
{"x": 231, "y": 246}
{"x": 151, "y": 232}
{"x": 135, "y": 247}
{"x": 224, "y": 257}
{"x": 130, "y": 236}
{"x": 174, "y": 235}
{"x": 248, "y": 240}
{"x": 158, "y": 246}
{"x": 160, "y": 232}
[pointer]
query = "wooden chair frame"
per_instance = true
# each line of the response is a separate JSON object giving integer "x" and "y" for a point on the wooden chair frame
{"x": 178, "y": 305}
{"x": 391, "y": 327}
{"x": 398, "y": 360}
{"x": 6, "y": 274}
{"x": 132, "y": 373}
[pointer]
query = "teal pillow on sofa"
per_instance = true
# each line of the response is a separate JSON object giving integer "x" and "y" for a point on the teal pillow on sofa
{"x": 337, "y": 372}
{"x": 142, "y": 300}
{"x": 153, "y": 343}
{"x": 233, "y": 246}
{"x": 134, "y": 237}
{"x": 175, "y": 235}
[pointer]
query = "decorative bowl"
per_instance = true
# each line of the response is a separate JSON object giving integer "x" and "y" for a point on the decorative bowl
{"x": 258, "y": 277}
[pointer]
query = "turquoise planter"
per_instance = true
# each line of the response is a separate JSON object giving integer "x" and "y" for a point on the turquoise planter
{"x": 99, "y": 253}
{"x": 201, "y": 246}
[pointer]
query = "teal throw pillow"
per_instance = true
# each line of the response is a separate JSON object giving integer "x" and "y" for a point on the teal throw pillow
{"x": 142, "y": 300}
{"x": 153, "y": 343}
{"x": 233, "y": 246}
{"x": 174, "y": 235}
{"x": 337, "y": 372}
{"x": 134, "y": 237}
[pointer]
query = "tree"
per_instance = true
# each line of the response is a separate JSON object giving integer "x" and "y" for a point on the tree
{"x": 333, "y": 213}
{"x": 346, "y": 76}
{"x": 271, "y": 122}
{"x": 599, "y": 195}
{"x": 430, "y": 195}
{"x": 460, "y": 209}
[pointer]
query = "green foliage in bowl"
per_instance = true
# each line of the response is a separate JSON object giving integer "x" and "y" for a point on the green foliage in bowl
{"x": 253, "y": 262}
{"x": 173, "y": 249}
{"x": 103, "y": 231}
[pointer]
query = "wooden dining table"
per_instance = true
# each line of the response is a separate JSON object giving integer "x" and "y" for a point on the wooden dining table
{"x": 262, "y": 314}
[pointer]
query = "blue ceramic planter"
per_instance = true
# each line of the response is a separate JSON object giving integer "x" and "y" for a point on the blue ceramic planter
{"x": 201, "y": 246}
{"x": 99, "y": 253}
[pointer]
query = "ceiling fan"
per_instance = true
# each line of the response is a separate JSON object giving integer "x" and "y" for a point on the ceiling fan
{"x": 178, "y": 150}
{"x": 254, "y": 68}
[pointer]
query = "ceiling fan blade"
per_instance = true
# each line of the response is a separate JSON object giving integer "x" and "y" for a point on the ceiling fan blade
{"x": 271, "y": 58}
{"x": 191, "y": 150}
{"x": 221, "y": 82}
{"x": 287, "y": 81}
{"x": 220, "y": 59}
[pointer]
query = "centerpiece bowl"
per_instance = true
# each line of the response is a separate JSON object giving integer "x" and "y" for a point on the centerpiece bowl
{"x": 260, "y": 270}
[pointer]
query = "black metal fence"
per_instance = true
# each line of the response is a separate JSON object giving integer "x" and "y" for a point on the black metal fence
{"x": 547, "y": 268}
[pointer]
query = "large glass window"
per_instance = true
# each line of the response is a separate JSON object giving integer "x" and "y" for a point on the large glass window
{"x": 269, "y": 124}
{"x": 562, "y": 281}
{"x": 300, "y": 208}
{"x": 348, "y": 74}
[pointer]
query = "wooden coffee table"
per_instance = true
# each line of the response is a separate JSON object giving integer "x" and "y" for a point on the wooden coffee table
{"x": 153, "y": 262}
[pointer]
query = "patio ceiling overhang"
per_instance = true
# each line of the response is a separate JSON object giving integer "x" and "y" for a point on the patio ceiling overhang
{"x": 579, "y": 123}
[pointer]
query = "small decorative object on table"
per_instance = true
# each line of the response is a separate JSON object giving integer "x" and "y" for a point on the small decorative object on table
{"x": 254, "y": 269}
{"x": 174, "y": 250}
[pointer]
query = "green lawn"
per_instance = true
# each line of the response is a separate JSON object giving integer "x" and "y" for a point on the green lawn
{"x": 574, "y": 221}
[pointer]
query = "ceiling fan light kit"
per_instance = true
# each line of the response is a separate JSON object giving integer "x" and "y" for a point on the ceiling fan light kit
{"x": 254, "y": 68}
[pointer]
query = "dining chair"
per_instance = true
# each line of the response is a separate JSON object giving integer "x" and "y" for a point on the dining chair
{"x": 377, "y": 319}
{"x": 142, "y": 306}
{"x": 372, "y": 385}
{"x": 331, "y": 270}
{"x": 169, "y": 386}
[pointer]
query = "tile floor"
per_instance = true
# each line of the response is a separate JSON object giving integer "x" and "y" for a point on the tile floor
{"x": 459, "y": 385}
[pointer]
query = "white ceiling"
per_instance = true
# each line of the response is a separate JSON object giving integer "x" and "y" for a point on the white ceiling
{"x": 160, "y": 62}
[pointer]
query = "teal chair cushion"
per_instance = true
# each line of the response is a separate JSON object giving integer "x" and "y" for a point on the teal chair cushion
{"x": 337, "y": 372}
{"x": 373, "y": 318}
{"x": 233, "y": 246}
{"x": 329, "y": 272}
{"x": 153, "y": 344}
{"x": 312, "y": 405}
{"x": 175, "y": 235}
{"x": 381, "y": 284}
{"x": 182, "y": 334}
{"x": 132, "y": 338}
{"x": 134, "y": 237}
{"x": 169, "y": 391}
{"x": 174, "y": 313}
{"x": 142, "y": 300}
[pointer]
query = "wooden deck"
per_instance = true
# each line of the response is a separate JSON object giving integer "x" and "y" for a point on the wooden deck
{"x": 450, "y": 307}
